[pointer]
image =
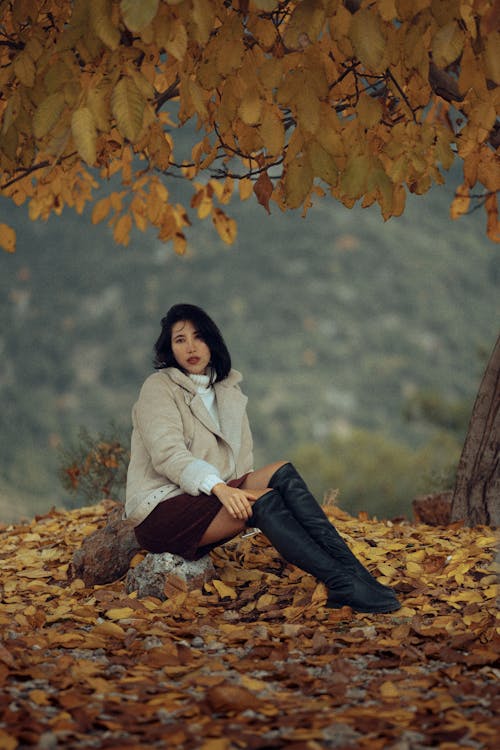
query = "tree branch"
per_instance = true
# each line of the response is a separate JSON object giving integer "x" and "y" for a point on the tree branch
{"x": 402, "y": 94}
{"x": 170, "y": 93}
{"x": 26, "y": 171}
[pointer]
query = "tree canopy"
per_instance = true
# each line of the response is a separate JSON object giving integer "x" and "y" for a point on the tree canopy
{"x": 287, "y": 101}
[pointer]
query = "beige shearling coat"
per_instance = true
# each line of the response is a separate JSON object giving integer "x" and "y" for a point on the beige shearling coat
{"x": 176, "y": 444}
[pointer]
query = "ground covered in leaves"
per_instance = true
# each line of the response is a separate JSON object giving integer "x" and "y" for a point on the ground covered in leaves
{"x": 254, "y": 660}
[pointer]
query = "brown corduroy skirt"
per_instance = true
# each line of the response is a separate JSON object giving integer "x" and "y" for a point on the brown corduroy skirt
{"x": 177, "y": 524}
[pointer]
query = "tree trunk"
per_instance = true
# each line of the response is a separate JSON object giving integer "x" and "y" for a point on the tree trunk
{"x": 476, "y": 497}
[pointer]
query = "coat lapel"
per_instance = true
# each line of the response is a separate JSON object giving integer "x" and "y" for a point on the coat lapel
{"x": 231, "y": 405}
{"x": 199, "y": 410}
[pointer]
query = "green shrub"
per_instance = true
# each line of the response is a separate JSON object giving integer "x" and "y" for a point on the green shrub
{"x": 376, "y": 473}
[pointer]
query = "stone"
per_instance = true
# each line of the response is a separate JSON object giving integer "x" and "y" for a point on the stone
{"x": 434, "y": 510}
{"x": 163, "y": 575}
{"x": 105, "y": 554}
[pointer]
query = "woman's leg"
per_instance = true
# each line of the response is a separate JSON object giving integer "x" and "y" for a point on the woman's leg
{"x": 224, "y": 525}
{"x": 310, "y": 514}
{"x": 259, "y": 479}
{"x": 292, "y": 541}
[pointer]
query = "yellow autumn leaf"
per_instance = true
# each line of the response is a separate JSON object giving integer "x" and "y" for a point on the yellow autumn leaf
{"x": 447, "y": 44}
{"x": 120, "y": 613}
{"x": 230, "y": 56}
{"x": 387, "y": 570}
{"x": 488, "y": 541}
{"x": 197, "y": 99}
{"x": 68, "y": 640}
{"x": 272, "y": 131}
{"x": 225, "y": 226}
{"x": 24, "y": 68}
{"x": 305, "y": 23}
{"x": 8, "y": 741}
{"x": 388, "y": 690}
{"x": 39, "y": 697}
{"x": 111, "y": 629}
{"x": 84, "y": 134}
{"x": 101, "y": 210}
{"x": 138, "y": 14}
{"x": 138, "y": 210}
{"x": 224, "y": 590}
{"x": 298, "y": 181}
{"x": 103, "y": 26}
{"x": 460, "y": 203}
{"x": 180, "y": 243}
{"x": 251, "y": 107}
{"x": 98, "y": 101}
{"x": 369, "y": 40}
{"x": 127, "y": 104}
{"x": 271, "y": 72}
{"x": 491, "y": 592}
{"x": 323, "y": 163}
{"x": 252, "y": 683}
{"x": 413, "y": 568}
{"x": 387, "y": 9}
{"x": 47, "y": 114}
{"x": 265, "y": 601}
{"x": 264, "y": 33}
{"x": 308, "y": 107}
{"x": 245, "y": 188}
{"x": 203, "y": 14}
{"x": 417, "y": 556}
{"x": 369, "y": 111}
{"x": 492, "y": 56}
{"x": 176, "y": 44}
{"x": 355, "y": 176}
{"x": 7, "y": 238}
{"x": 329, "y": 134}
{"x": 121, "y": 232}
{"x": 205, "y": 205}
{"x": 34, "y": 573}
{"x": 143, "y": 84}
{"x": 266, "y": 5}
{"x": 493, "y": 225}
{"x": 319, "y": 594}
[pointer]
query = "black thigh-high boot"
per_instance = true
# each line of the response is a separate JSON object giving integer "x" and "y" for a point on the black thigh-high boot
{"x": 310, "y": 514}
{"x": 288, "y": 536}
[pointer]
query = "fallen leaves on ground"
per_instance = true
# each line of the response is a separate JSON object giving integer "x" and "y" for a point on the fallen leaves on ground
{"x": 254, "y": 660}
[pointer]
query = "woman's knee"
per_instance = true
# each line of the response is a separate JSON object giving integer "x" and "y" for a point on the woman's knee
{"x": 273, "y": 468}
{"x": 222, "y": 527}
{"x": 260, "y": 478}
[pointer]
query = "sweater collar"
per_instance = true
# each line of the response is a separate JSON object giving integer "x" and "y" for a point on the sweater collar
{"x": 185, "y": 381}
{"x": 202, "y": 382}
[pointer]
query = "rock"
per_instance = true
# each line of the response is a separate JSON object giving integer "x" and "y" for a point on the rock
{"x": 105, "y": 555}
{"x": 434, "y": 510}
{"x": 163, "y": 575}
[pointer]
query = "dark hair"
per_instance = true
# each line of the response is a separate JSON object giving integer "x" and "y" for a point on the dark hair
{"x": 220, "y": 359}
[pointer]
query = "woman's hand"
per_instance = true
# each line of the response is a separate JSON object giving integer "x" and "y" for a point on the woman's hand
{"x": 236, "y": 501}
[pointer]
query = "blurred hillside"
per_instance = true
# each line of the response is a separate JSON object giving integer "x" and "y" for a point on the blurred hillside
{"x": 337, "y": 321}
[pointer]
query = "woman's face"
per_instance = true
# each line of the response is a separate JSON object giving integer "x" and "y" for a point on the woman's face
{"x": 189, "y": 349}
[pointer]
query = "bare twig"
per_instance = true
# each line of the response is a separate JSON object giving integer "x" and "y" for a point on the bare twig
{"x": 402, "y": 94}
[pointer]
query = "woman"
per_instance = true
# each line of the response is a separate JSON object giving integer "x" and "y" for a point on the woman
{"x": 191, "y": 484}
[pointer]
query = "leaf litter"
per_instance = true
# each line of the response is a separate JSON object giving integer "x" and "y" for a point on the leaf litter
{"x": 254, "y": 659}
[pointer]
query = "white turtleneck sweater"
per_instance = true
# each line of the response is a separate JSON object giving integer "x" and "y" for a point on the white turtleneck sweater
{"x": 207, "y": 393}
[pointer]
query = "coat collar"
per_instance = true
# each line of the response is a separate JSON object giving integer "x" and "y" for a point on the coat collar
{"x": 178, "y": 377}
{"x": 231, "y": 404}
